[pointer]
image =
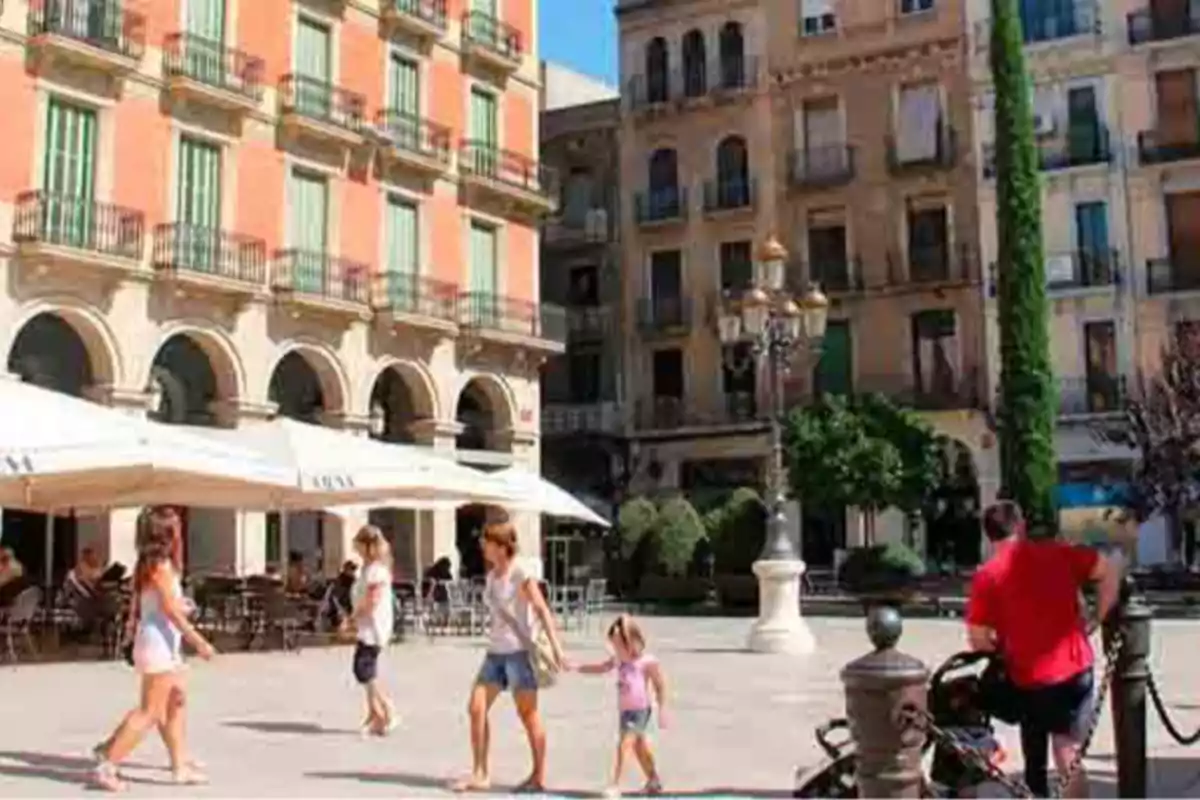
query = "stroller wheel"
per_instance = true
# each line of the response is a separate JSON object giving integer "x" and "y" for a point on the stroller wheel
{"x": 833, "y": 777}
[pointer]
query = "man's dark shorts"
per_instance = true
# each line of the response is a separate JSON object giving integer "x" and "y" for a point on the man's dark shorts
{"x": 1061, "y": 709}
{"x": 366, "y": 662}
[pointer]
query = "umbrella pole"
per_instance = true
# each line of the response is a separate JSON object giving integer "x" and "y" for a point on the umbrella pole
{"x": 49, "y": 567}
{"x": 283, "y": 539}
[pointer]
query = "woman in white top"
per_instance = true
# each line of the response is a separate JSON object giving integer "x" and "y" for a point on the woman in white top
{"x": 513, "y": 599}
{"x": 374, "y": 619}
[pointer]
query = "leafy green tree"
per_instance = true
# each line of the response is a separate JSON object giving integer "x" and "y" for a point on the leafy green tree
{"x": 865, "y": 453}
{"x": 1027, "y": 403}
{"x": 635, "y": 521}
{"x": 737, "y": 531}
{"x": 680, "y": 528}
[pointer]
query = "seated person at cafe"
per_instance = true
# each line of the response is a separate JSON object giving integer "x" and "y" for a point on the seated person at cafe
{"x": 296, "y": 580}
{"x": 87, "y": 571}
{"x": 338, "y": 597}
{"x": 12, "y": 577}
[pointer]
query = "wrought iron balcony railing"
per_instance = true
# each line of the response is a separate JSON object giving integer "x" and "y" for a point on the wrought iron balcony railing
{"x": 664, "y": 413}
{"x": 211, "y": 63}
{"x": 104, "y": 24}
{"x": 669, "y": 204}
{"x": 730, "y": 195}
{"x": 570, "y": 418}
{"x": 183, "y": 247}
{"x": 317, "y": 274}
{"x": 590, "y": 323}
{"x": 322, "y": 101}
{"x": 664, "y": 314}
{"x": 1098, "y": 393}
{"x": 1156, "y": 25}
{"x": 1078, "y": 148}
{"x": 946, "y": 392}
{"x": 499, "y": 37}
{"x": 1177, "y": 273}
{"x": 1157, "y": 147}
{"x": 836, "y": 276}
{"x": 405, "y": 293}
{"x": 932, "y": 263}
{"x": 821, "y": 166}
{"x": 939, "y": 152}
{"x": 493, "y": 312}
{"x": 413, "y": 134}
{"x": 80, "y": 224}
{"x": 735, "y": 74}
{"x": 432, "y": 12}
{"x": 504, "y": 166}
{"x": 1082, "y": 269}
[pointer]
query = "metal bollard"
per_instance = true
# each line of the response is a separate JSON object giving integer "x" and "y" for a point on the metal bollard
{"x": 1131, "y": 618}
{"x": 878, "y": 685}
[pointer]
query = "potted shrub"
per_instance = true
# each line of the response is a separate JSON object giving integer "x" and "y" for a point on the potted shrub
{"x": 636, "y": 522}
{"x": 887, "y": 574}
{"x": 738, "y": 530}
{"x": 678, "y": 530}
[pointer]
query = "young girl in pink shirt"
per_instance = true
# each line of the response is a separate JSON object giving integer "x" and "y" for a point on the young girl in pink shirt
{"x": 637, "y": 673}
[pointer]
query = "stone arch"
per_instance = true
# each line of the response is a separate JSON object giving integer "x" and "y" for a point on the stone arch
{"x": 331, "y": 375}
{"x": 694, "y": 57}
{"x": 403, "y": 392}
{"x": 487, "y": 409}
{"x": 731, "y": 48}
{"x": 104, "y": 356}
{"x": 226, "y": 363}
{"x": 658, "y": 70}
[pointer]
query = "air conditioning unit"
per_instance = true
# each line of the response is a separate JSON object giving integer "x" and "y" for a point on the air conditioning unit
{"x": 596, "y": 224}
{"x": 1043, "y": 123}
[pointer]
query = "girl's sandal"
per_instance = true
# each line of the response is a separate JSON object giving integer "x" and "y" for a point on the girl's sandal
{"x": 653, "y": 787}
{"x": 105, "y": 777}
{"x": 471, "y": 784}
{"x": 529, "y": 787}
{"x": 189, "y": 776}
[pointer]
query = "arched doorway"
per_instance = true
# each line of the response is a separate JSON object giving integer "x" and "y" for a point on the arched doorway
{"x": 695, "y": 64}
{"x": 483, "y": 414}
{"x": 185, "y": 389}
{"x": 398, "y": 400}
{"x": 733, "y": 173}
{"x": 732, "y": 54}
{"x": 48, "y": 352}
{"x": 299, "y": 393}
{"x": 952, "y": 532}
{"x": 658, "y": 70}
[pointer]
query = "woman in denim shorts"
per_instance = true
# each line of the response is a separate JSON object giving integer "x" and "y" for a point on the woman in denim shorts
{"x": 513, "y": 599}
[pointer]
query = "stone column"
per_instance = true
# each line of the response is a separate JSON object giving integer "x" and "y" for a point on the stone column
{"x": 437, "y": 531}
{"x": 338, "y": 531}
{"x": 524, "y": 445}
{"x": 247, "y": 554}
{"x": 119, "y": 531}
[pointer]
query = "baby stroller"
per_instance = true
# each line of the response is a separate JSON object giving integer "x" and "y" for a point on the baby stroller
{"x": 957, "y": 708}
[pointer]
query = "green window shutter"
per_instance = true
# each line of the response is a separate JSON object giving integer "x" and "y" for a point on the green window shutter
{"x": 483, "y": 131}
{"x": 199, "y": 204}
{"x": 483, "y": 274}
{"x": 206, "y": 19}
{"x": 401, "y": 237}
{"x": 312, "y": 61}
{"x": 834, "y": 373}
{"x": 69, "y": 173}
{"x": 485, "y": 6}
{"x": 308, "y": 202}
{"x": 405, "y": 86}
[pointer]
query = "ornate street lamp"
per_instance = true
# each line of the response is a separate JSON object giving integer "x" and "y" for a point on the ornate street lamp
{"x": 777, "y": 326}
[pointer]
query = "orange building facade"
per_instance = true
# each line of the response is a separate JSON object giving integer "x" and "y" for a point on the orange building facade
{"x": 219, "y": 211}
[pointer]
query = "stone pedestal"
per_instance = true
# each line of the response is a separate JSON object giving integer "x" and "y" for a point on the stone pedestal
{"x": 779, "y": 627}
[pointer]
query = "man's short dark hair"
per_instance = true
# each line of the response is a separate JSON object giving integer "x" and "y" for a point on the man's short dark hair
{"x": 1002, "y": 520}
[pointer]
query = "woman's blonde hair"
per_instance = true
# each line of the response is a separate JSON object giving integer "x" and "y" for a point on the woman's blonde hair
{"x": 501, "y": 533}
{"x": 374, "y": 544}
{"x": 629, "y": 632}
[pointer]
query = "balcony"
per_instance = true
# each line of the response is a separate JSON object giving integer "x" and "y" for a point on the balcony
{"x": 492, "y": 43}
{"x": 575, "y": 418}
{"x": 511, "y": 321}
{"x": 1082, "y": 269}
{"x": 416, "y": 302}
{"x": 664, "y": 316}
{"x": 720, "y": 82}
{"x": 674, "y": 413}
{"x": 1093, "y": 395}
{"x": 102, "y": 35}
{"x": 410, "y": 142}
{"x": 943, "y": 393}
{"x": 836, "y": 277}
{"x": 1083, "y": 148}
{"x": 926, "y": 266}
{"x": 208, "y": 72}
{"x": 589, "y": 323}
{"x": 1150, "y": 25}
{"x": 1178, "y": 273}
{"x": 1155, "y": 147}
{"x": 193, "y": 256}
{"x": 313, "y": 108}
{"x": 424, "y": 19}
{"x": 70, "y": 231}
{"x": 821, "y": 167}
{"x": 519, "y": 183}
{"x": 940, "y": 152}
{"x": 313, "y": 281}
{"x": 660, "y": 207}
{"x": 722, "y": 197}
{"x": 567, "y": 230}
{"x": 1077, "y": 18}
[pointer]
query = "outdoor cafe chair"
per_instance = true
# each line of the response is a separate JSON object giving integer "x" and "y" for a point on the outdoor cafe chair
{"x": 16, "y": 622}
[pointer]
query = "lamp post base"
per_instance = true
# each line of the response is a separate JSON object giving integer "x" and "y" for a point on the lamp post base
{"x": 779, "y": 627}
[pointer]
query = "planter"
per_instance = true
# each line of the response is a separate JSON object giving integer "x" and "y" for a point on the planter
{"x": 737, "y": 591}
{"x": 673, "y": 591}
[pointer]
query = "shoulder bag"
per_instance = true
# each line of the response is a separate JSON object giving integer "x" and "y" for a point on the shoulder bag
{"x": 1001, "y": 698}
{"x": 541, "y": 654}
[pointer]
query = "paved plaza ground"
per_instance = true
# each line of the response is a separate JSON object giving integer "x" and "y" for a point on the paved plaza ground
{"x": 282, "y": 725}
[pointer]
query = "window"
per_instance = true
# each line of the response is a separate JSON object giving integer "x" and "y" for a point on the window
{"x": 918, "y": 134}
{"x": 1183, "y": 237}
{"x": 483, "y": 259}
{"x": 935, "y": 354}
{"x": 668, "y": 373}
{"x": 733, "y": 168}
{"x": 313, "y": 58}
{"x": 739, "y": 384}
{"x": 827, "y": 264}
{"x": 695, "y": 68}
{"x": 404, "y": 86}
{"x": 658, "y": 67}
{"x": 817, "y": 17}
{"x": 1091, "y": 240}
{"x": 205, "y": 26}
{"x": 1178, "y": 116}
{"x": 577, "y": 197}
{"x": 666, "y": 287}
{"x": 737, "y": 266}
{"x": 915, "y": 6}
{"x": 834, "y": 373}
{"x": 1100, "y": 361}
{"x": 584, "y": 371}
{"x": 308, "y": 204}
{"x": 928, "y": 256}
{"x": 1083, "y": 125}
{"x": 484, "y": 131}
{"x": 198, "y": 205}
{"x": 733, "y": 56}
{"x": 206, "y": 20}
{"x": 402, "y": 241}
{"x": 664, "y": 196}
{"x": 583, "y": 288}
{"x": 70, "y": 179}
{"x": 1043, "y": 21}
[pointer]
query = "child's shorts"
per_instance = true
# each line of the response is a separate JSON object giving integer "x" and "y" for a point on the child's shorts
{"x": 635, "y": 721}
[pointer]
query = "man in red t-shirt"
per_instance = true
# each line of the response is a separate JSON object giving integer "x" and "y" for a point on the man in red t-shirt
{"x": 1024, "y": 603}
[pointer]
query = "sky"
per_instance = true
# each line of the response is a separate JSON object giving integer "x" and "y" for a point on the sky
{"x": 582, "y": 34}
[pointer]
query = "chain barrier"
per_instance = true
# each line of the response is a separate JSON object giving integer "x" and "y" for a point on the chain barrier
{"x": 1168, "y": 723}
{"x": 911, "y": 716}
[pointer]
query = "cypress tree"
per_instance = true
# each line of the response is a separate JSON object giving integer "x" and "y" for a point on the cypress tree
{"x": 1028, "y": 396}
